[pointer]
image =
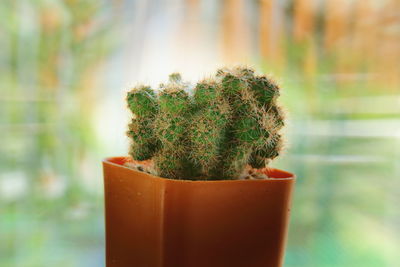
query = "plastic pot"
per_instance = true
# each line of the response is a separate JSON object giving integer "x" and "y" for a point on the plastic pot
{"x": 158, "y": 222}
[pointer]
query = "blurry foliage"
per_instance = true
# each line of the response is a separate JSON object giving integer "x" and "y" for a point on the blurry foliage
{"x": 50, "y": 59}
{"x": 52, "y": 53}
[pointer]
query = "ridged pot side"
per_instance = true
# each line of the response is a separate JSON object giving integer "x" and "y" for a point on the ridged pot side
{"x": 152, "y": 221}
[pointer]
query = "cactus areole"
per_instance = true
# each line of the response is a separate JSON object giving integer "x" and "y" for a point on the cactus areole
{"x": 231, "y": 121}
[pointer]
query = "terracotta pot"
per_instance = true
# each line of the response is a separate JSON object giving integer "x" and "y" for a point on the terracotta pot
{"x": 154, "y": 222}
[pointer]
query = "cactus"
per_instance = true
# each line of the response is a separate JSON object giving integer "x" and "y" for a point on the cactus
{"x": 144, "y": 106}
{"x": 172, "y": 124}
{"x": 231, "y": 121}
{"x": 208, "y": 127}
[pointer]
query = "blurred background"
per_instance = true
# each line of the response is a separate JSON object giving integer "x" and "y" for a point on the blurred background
{"x": 65, "y": 66}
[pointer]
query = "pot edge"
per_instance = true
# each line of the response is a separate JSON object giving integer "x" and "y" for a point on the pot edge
{"x": 289, "y": 175}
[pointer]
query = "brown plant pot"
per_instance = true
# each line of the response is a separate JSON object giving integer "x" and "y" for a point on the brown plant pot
{"x": 154, "y": 222}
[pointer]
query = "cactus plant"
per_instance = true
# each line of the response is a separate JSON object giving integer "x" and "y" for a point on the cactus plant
{"x": 231, "y": 121}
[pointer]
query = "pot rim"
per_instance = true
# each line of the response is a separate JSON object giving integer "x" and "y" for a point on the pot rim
{"x": 281, "y": 175}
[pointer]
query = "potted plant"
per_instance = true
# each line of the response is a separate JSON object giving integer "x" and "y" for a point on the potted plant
{"x": 196, "y": 189}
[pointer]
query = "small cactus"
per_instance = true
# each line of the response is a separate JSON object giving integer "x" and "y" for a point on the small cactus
{"x": 231, "y": 121}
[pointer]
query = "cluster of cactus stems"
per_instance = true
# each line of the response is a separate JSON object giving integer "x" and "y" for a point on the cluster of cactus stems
{"x": 230, "y": 121}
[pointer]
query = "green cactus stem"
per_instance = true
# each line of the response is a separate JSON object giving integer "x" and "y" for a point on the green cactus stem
{"x": 232, "y": 120}
{"x": 144, "y": 106}
{"x": 208, "y": 127}
{"x": 172, "y": 124}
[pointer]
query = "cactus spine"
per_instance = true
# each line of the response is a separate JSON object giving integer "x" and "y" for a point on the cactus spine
{"x": 230, "y": 121}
